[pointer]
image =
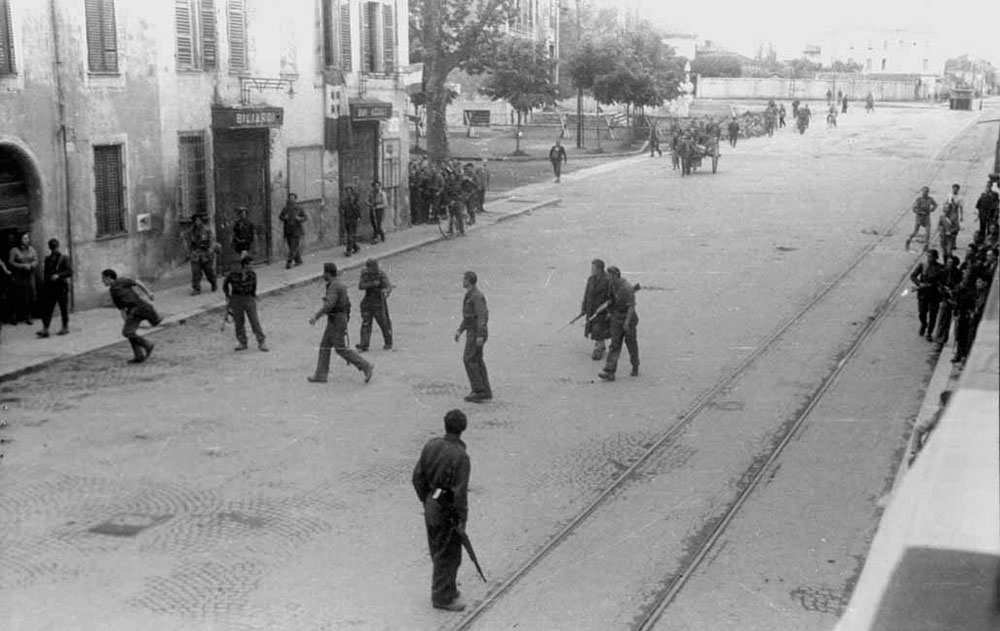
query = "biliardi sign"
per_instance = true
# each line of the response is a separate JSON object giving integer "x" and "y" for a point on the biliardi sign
{"x": 247, "y": 117}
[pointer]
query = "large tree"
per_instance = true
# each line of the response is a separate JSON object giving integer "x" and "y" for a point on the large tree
{"x": 520, "y": 72}
{"x": 452, "y": 34}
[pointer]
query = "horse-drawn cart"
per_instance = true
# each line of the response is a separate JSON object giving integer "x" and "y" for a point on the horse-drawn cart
{"x": 692, "y": 152}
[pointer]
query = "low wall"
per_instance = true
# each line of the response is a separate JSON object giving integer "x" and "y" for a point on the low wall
{"x": 856, "y": 89}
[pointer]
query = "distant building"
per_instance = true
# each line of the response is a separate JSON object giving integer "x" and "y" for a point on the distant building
{"x": 124, "y": 119}
{"x": 813, "y": 53}
{"x": 884, "y": 50}
{"x": 684, "y": 44}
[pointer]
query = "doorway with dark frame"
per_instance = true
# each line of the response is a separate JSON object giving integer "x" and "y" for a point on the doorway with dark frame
{"x": 242, "y": 180}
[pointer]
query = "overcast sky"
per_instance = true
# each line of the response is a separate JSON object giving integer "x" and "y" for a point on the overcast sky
{"x": 971, "y": 26}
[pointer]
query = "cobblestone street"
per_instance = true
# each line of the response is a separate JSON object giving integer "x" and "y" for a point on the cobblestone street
{"x": 208, "y": 489}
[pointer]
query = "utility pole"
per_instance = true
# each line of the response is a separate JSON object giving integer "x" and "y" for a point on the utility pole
{"x": 579, "y": 90}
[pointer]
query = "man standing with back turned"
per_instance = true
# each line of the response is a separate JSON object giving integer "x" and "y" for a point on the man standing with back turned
{"x": 474, "y": 324}
{"x": 623, "y": 325}
{"x": 441, "y": 480}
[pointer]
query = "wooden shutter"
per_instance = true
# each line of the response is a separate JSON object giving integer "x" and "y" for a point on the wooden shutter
{"x": 185, "y": 39}
{"x": 209, "y": 41}
{"x": 6, "y": 40}
{"x": 369, "y": 37}
{"x": 237, "y": 36}
{"x": 345, "y": 38}
{"x": 102, "y": 38}
{"x": 109, "y": 190}
{"x": 389, "y": 38}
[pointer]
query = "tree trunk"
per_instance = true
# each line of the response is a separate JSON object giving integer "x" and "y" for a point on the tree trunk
{"x": 436, "y": 69}
{"x": 517, "y": 135}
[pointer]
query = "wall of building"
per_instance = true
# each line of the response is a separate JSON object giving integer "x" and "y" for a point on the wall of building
{"x": 782, "y": 88}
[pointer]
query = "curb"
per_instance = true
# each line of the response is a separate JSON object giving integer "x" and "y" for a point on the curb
{"x": 182, "y": 317}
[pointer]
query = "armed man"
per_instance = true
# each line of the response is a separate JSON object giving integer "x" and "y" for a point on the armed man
{"x": 624, "y": 321}
{"x": 201, "y": 252}
{"x": 595, "y": 295}
{"x": 240, "y": 287}
{"x": 374, "y": 305}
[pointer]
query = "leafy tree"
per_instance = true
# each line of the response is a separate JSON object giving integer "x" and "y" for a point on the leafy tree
{"x": 452, "y": 34}
{"x": 845, "y": 66}
{"x": 520, "y": 72}
{"x": 802, "y": 68}
{"x": 717, "y": 66}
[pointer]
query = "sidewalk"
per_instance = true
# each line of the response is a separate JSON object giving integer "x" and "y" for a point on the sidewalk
{"x": 21, "y": 351}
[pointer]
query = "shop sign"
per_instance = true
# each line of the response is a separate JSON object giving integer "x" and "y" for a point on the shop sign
{"x": 247, "y": 117}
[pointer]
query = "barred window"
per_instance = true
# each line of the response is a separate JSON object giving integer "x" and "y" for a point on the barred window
{"x": 109, "y": 190}
{"x": 192, "y": 180}
{"x": 6, "y": 40}
{"x": 102, "y": 38}
{"x": 237, "y": 15}
{"x": 197, "y": 44}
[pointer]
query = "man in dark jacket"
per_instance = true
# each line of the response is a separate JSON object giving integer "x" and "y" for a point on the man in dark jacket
{"x": 55, "y": 288}
{"x": 927, "y": 278}
{"x": 134, "y": 310}
{"x": 201, "y": 251}
{"x": 475, "y": 317}
{"x": 441, "y": 480}
{"x": 374, "y": 305}
{"x": 352, "y": 215}
{"x": 292, "y": 217}
{"x": 624, "y": 322}
{"x": 243, "y": 232}
{"x": 337, "y": 309}
{"x": 595, "y": 295}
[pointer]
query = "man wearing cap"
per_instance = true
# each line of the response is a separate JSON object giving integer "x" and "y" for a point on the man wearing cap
{"x": 240, "y": 287}
{"x": 201, "y": 251}
{"x": 55, "y": 288}
{"x": 557, "y": 156}
{"x": 374, "y": 305}
{"x": 927, "y": 277}
{"x": 133, "y": 310}
{"x": 377, "y": 203}
{"x": 292, "y": 217}
{"x": 624, "y": 320}
{"x": 596, "y": 294}
{"x": 243, "y": 232}
{"x": 337, "y": 309}
{"x": 441, "y": 480}
{"x": 475, "y": 317}
{"x": 922, "y": 209}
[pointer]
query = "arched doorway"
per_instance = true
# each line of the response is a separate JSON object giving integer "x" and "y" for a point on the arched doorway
{"x": 20, "y": 197}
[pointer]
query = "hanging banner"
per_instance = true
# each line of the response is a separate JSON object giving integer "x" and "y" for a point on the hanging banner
{"x": 337, "y": 113}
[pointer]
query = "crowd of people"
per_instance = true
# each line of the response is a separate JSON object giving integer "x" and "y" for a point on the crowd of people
{"x": 447, "y": 189}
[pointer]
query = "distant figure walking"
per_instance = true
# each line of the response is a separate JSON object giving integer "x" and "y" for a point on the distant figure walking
{"x": 557, "y": 156}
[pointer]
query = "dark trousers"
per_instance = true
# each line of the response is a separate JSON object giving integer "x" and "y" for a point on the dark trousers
{"x": 244, "y": 308}
{"x": 963, "y": 334}
{"x": 732, "y": 139}
{"x": 377, "y": 233}
{"x": 927, "y": 311}
{"x": 943, "y": 323}
{"x": 202, "y": 265}
{"x": 133, "y": 319}
{"x": 654, "y": 145}
{"x": 335, "y": 339}
{"x": 470, "y": 206}
{"x": 475, "y": 366}
{"x": 351, "y": 237}
{"x": 22, "y": 296}
{"x": 557, "y": 168}
{"x": 621, "y": 333}
{"x": 55, "y": 294}
{"x": 481, "y": 200}
{"x": 456, "y": 218}
{"x": 446, "y": 553}
{"x": 376, "y": 309}
{"x": 294, "y": 242}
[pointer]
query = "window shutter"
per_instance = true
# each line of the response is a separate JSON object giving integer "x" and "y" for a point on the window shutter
{"x": 6, "y": 39}
{"x": 369, "y": 35}
{"x": 346, "y": 61}
{"x": 237, "y": 36}
{"x": 109, "y": 190}
{"x": 328, "y": 50}
{"x": 209, "y": 42}
{"x": 102, "y": 38}
{"x": 389, "y": 38}
{"x": 185, "y": 43}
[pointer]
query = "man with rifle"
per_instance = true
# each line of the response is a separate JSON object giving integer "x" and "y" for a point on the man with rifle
{"x": 596, "y": 294}
{"x": 377, "y": 287}
{"x": 441, "y": 480}
{"x": 624, "y": 321}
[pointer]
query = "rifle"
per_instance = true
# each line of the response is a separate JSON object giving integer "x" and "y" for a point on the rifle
{"x": 606, "y": 303}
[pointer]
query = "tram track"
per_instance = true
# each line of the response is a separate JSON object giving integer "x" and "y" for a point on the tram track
{"x": 653, "y": 609}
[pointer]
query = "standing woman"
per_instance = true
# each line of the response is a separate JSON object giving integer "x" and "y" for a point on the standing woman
{"x": 23, "y": 262}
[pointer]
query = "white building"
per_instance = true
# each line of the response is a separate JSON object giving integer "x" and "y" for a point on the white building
{"x": 884, "y": 50}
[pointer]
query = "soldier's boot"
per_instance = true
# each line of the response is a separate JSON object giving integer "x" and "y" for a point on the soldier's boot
{"x": 598, "y": 353}
{"x": 242, "y": 346}
{"x": 262, "y": 345}
{"x": 606, "y": 376}
{"x": 635, "y": 371}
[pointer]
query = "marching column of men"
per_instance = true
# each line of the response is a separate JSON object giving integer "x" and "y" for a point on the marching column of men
{"x": 447, "y": 189}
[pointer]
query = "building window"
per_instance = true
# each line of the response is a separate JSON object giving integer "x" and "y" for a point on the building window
{"x": 346, "y": 59}
{"x": 194, "y": 21}
{"x": 926, "y": 65}
{"x": 102, "y": 38}
{"x": 337, "y": 35}
{"x": 237, "y": 15}
{"x": 192, "y": 176}
{"x": 883, "y": 63}
{"x": 6, "y": 40}
{"x": 389, "y": 38}
{"x": 305, "y": 173}
{"x": 109, "y": 190}
{"x": 378, "y": 38}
